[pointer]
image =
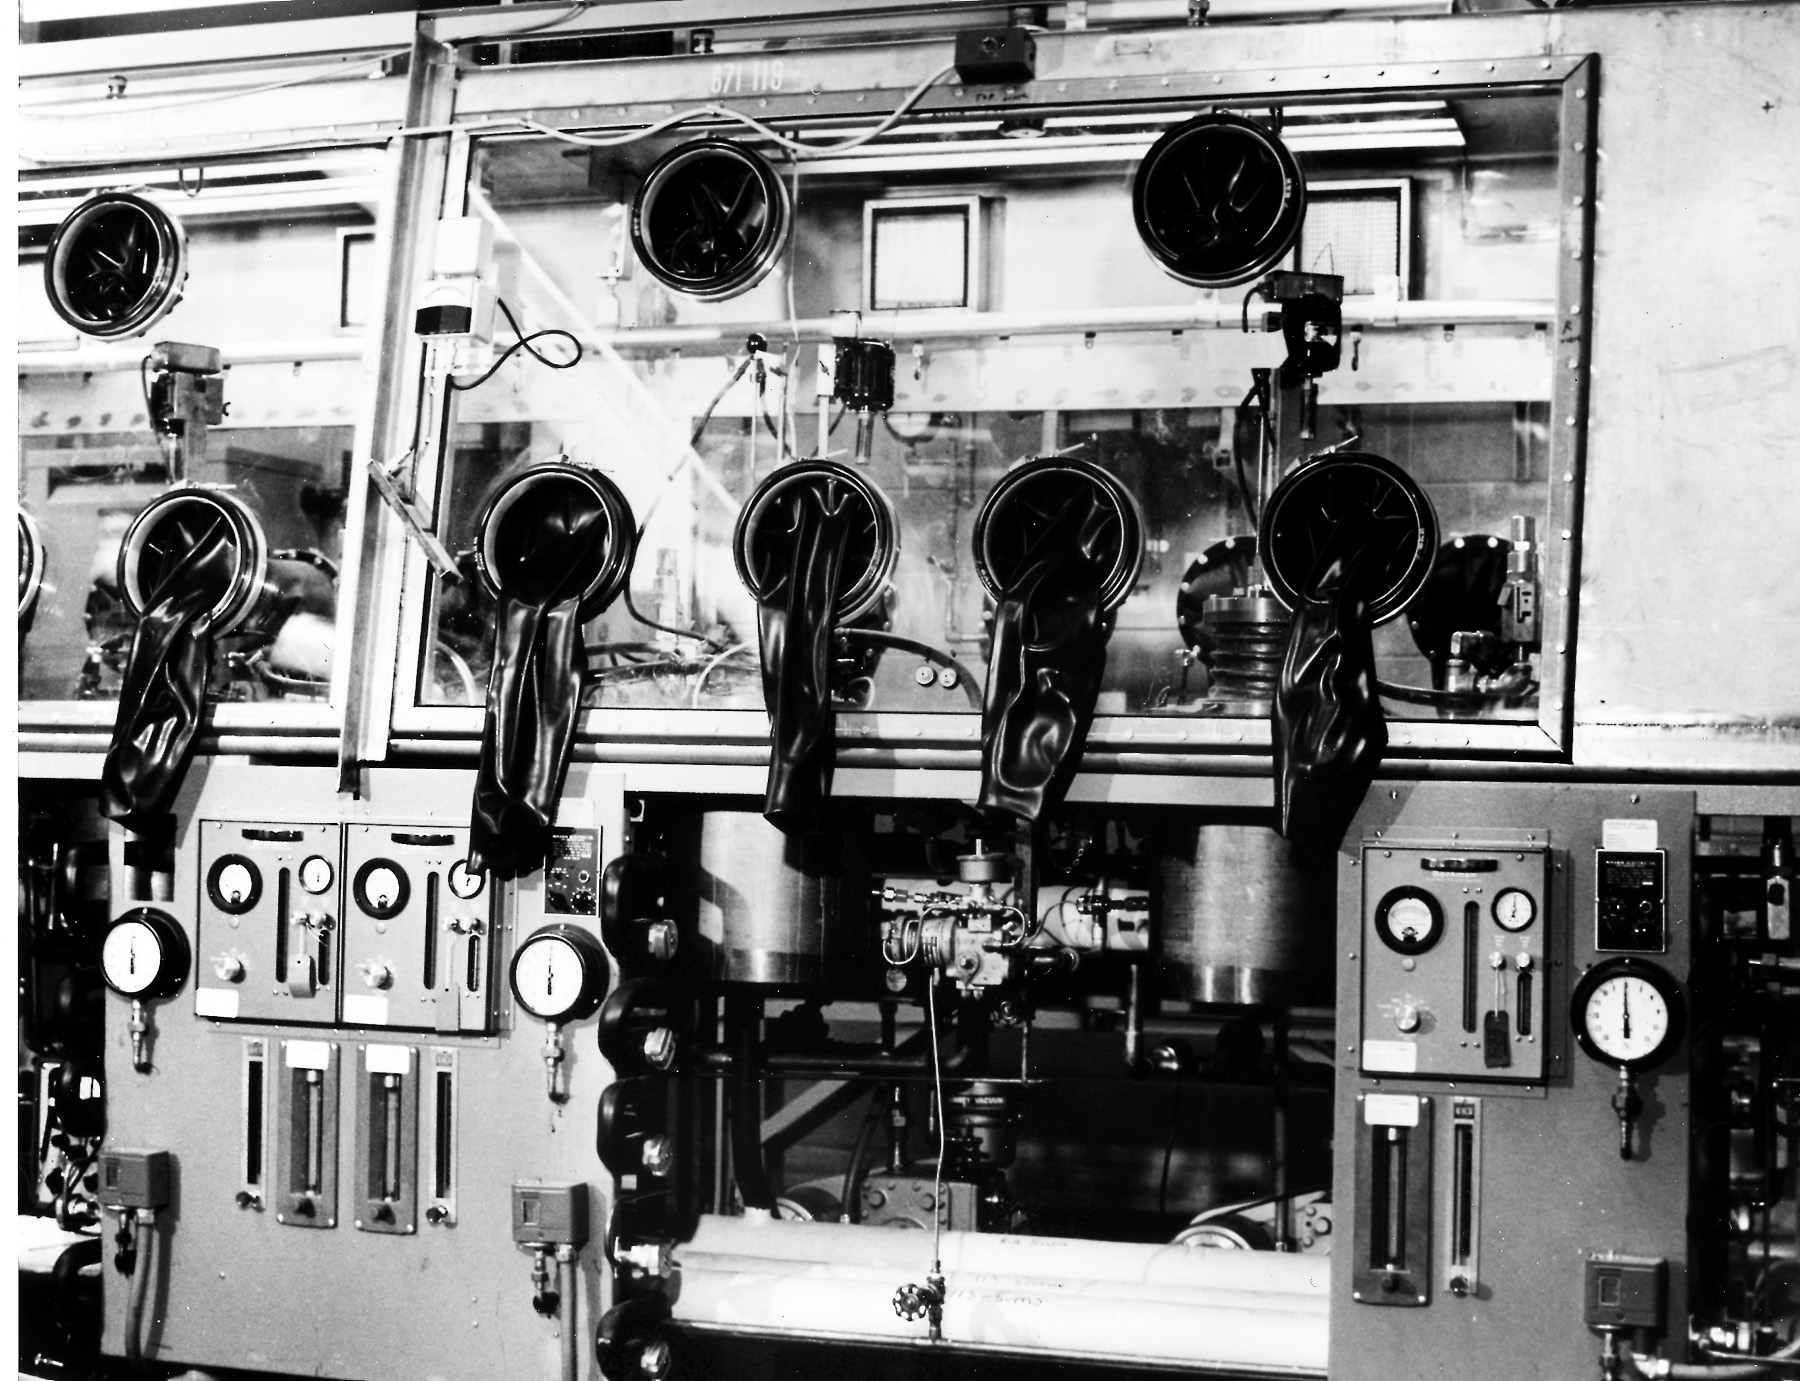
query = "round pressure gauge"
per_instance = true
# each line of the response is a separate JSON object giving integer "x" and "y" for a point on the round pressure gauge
{"x": 381, "y": 888}
{"x": 559, "y": 974}
{"x": 1409, "y": 920}
{"x": 466, "y": 882}
{"x": 233, "y": 884}
{"x": 1628, "y": 1013}
{"x": 144, "y": 955}
{"x": 316, "y": 874}
{"x": 1514, "y": 909}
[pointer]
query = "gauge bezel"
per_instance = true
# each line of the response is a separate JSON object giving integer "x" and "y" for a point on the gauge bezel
{"x": 461, "y": 869}
{"x": 1529, "y": 921}
{"x": 177, "y": 957}
{"x": 1629, "y": 966}
{"x": 595, "y": 973}
{"x": 330, "y": 871}
{"x": 218, "y": 898}
{"x": 1394, "y": 942}
{"x": 359, "y": 892}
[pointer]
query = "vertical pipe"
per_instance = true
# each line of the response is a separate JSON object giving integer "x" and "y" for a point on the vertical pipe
{"x": 1284, "y": 1207}
{"x": 743, "y": 1017}
{"x": 1134, "y": 1016}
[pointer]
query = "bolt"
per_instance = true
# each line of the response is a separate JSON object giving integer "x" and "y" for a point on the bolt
{"x": 659, "y": 1156}
{"x": 662, "y": 938}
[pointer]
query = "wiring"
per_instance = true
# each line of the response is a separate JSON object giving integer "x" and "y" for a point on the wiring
{"x": 682, "y": 117}
{"x": 124, "y": 106}
{"x": 524, "y": 342}
{"x": 577, "y": 8}
{"x": 931, "y": 654}
{"x": 712, "y": 666}
{"x": 937, "y": 1087}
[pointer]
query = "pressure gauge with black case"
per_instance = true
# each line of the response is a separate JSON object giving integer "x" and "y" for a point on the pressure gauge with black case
{"x": 1629, "y": 1014}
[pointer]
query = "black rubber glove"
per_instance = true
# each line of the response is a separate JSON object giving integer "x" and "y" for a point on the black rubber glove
{"x": 795, "y": 620}
{"x": 163, "y": 692}
{"x": 1049, "y": 656}
{"x": 534, "y": 688}
{"x": 1329, "y": 730}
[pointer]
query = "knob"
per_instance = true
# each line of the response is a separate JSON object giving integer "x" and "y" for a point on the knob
{"x": 245, "y": 1199}
{"x": 1524, "y": 962}
{"x": 659, "y": 1047}
{"x": 377, "y": 974}
{"x": 662, "y": 938}
{"x": 658, "y": 1156}
{"x": 436, "y": 1213}
{"x": 1459, "y": 1286}
{"x": 229, "y": 967}
{"x": 910, "y": 1303}
{"x": 657, "y": 1360}
{"x": 1407, "y": 1018}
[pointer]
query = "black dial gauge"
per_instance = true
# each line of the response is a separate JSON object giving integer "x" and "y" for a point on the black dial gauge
{"x": 1514, "y": 910}
{"x": 559, "y": 974}
{"x": 1409, "y": 920}
{"x": 233, "y": 884}
{"x": 1628, "y": 1014}
{"x": 144, "y": 955}
{"x": 381, "y": 888}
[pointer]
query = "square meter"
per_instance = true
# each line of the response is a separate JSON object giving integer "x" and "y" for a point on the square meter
{"x": 1455, "y": 946}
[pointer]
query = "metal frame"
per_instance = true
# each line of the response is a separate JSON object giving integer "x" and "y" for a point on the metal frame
{"x": 1115, "y": 73}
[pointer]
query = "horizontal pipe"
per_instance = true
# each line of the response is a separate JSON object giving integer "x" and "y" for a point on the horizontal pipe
{"x": 940, "y": 325}
{"x": 109, "y": 359}
{"x": 1050, "y": 1296}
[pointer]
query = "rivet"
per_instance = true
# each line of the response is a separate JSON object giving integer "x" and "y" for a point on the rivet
{"x": 1580, "y": 146}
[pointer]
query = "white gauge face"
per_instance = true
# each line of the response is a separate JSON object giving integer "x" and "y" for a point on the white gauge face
{"x": 465, "y": 882}
{"x": 1626, "y": 1018}
{"x": 235, "y": 883}
{"x": 1410, "y": 919}
{"x": 549, "y": 977}
{"x": 131, "y": 958}
{"x": 316, "y": 874}
{"x": 381, "y": 887}
{"x": 1514, "y": 910}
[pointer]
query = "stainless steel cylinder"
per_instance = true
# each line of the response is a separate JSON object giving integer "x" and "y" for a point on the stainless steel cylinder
{"x": 1251, "y": 633}
{"x": 1246, "y": 917}
{"x": 778, "y": 910}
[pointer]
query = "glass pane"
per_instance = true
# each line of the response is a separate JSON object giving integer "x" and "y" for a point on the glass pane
{"x": 1441, "y": 213}
{"x": 275, "y": 266}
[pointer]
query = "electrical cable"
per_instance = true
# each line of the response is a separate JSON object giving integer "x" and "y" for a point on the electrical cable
{"x": 568, "y": 1285}
{"x": 560, "y": 19}
{"x": 123, "y": 106}
{"x": 142, "y": 1246}
{"x": 710, "y": 668}
{"x": 793, "y": 146}
{"x": 524, "y": 343}
{"x": 1746, "y": 1370}
{"x": 925, "y": 650}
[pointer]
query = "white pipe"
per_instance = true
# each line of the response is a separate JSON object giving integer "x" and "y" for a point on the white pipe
{"x": 109, "y": 358}
{"x": 1194, "y": 316}
{"x": 1181, "y": 1305}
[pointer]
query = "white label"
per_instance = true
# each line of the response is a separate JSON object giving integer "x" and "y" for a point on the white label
{"x": 1628, "y": 836}
{"x": 308, "y": 1055}
{"x": 1391, "y": 1057}
{"x": 216, "y": 1002}
{"x": 1390, "y": 1110}
{"x": 388, "y": 1059}
{"x": 365, "y": 1009}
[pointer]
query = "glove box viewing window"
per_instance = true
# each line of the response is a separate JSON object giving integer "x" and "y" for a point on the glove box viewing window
{"x": 176, "y": 342}
{"x": 1417, "y": 319}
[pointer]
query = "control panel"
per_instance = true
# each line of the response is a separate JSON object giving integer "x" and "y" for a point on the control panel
{"x": 418, "y": 931}
{"x": 572, "y": 873}
{"x": 1456, "y": 944}
{"x": 1631, "y": 905}
{"x": 268, "y": 922}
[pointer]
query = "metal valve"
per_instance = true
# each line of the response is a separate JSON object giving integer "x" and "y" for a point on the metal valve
{"x": 915, "y": 1302}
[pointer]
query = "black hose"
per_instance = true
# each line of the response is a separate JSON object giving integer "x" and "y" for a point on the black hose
{"x": 859, "y": 1153}
{"x": 744, "y": 1018}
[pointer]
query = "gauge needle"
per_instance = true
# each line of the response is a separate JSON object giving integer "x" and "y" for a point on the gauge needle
{"x": 1626, "y": 996}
